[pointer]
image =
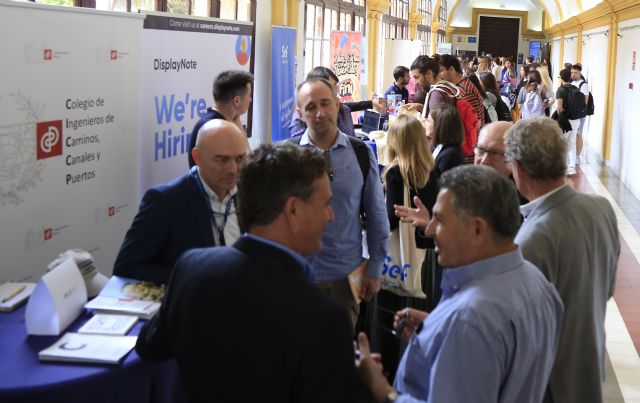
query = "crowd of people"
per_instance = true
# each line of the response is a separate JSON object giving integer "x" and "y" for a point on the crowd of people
{"x": 274, "y": 258}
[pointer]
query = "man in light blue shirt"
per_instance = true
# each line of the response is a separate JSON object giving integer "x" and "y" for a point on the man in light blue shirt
{"x": 494, "y": 335}
{"x": 342, "y": 251}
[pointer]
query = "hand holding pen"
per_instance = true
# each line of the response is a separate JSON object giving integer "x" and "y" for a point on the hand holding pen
{"x": 406, "y": 321}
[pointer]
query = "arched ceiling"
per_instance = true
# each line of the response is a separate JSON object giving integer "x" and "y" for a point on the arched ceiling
{"x": 556, "y": 10}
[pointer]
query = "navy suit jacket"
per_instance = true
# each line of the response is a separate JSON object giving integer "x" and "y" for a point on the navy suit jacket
{"x": 245, "y": 324}
{"x": 173, "y": 218}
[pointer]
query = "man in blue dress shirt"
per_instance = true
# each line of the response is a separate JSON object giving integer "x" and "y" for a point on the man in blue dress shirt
{"x": 342, "y": 252}
{"x": 494, "y": 335}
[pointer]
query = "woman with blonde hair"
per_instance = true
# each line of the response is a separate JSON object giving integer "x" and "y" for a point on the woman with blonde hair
{"x": 484, "y": 66}
{"x": 410, "y": 164}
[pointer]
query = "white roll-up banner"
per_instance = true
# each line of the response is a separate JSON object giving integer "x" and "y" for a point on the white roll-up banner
{"x": 68, "y": 128}
{"x": 96, "y": 107}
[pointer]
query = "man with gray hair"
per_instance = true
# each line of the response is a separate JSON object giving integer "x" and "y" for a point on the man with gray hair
{"x": 573, "y": 238}
{"x": 498, "y": 323}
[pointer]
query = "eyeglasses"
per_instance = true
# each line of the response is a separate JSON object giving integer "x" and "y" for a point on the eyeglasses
{"x": 495, "y": 156}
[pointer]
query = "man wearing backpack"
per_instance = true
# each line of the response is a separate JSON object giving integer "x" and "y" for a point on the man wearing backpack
{"x": 579, "y": 81}
{"x": 571, "y": 105}
{"x": 451, "y": 71}
{"x": 355, "y": 194}
{"x": 426, "y": 72}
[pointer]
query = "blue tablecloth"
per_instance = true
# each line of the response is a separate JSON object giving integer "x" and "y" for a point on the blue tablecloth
{"x": 24, "y": 379}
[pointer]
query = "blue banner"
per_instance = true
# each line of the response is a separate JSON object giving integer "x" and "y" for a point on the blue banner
{"x": 283, "y": 47}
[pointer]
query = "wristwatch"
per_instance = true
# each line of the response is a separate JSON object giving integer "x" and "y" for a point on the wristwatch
{"x": 391, "y": 397}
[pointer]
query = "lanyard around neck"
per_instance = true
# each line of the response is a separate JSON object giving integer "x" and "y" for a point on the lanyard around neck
{"x": 212, "y": 214}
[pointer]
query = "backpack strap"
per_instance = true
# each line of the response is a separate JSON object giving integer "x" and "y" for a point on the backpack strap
{"x": 362, "y": 155}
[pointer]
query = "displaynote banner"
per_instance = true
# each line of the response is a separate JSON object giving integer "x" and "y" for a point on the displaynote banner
{"x": 68, "y": 114}
{"x": 283, "y": 45}
{"x": 180, "y": 58}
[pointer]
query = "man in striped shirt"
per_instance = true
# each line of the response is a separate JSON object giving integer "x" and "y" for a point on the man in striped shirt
{"x": 450, "y": 70}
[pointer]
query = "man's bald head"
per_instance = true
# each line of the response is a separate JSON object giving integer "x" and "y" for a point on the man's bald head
{"x": 216, "y": 127}
{"x": 490, "y": 150}
{"x": 220, "y": 150}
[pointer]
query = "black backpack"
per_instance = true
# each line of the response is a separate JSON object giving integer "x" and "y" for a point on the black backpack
{"x": 590, "y": 106}
{"x": 362, "y": 155}
{"x": 504, "y": 114}
{"x": 574, "y": 104}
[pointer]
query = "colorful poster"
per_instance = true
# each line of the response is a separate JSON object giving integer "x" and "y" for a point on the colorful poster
{"x": 345, "y": 60}
{"x": 180, "y": 57}
{"x": 68, "y": 134}
{"x": 283, "y": 46}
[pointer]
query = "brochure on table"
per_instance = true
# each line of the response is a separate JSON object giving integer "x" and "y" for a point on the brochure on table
{"x": 90, "y": 348}
{"x": 109, "y": 324}
{"x": 129, "y": 297}
{"x": 56, "y": 301}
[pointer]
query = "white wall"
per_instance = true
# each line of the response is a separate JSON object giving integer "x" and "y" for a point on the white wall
{"x": 587, "y": 4}
{"x": 555, "y": 61}
{"x": 461, "y": 42}
{"x": 570, "y": 54}
{"x": 625, "y": 141}
{"x": 595, "y": 71}
{"x": 261, "y": 129}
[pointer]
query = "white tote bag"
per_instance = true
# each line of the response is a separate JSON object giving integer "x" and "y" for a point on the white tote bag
{"x": 403, "y": 264}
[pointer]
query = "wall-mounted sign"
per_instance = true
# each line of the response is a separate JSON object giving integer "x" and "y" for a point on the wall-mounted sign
{"x": 471, "y": 39}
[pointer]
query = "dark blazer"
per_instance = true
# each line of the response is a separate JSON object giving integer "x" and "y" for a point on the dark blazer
{"x": 246, "y": 325}
{"x": 172, "y": 218}
{"x": 449, "y": 157}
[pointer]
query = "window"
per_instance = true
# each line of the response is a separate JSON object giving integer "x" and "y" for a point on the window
{"x": 395, "y": 25}
{"x": 239, "y": 10}
{"x": 442, "y": 18}
{"x": 322, "y": 17}
{"x": 424, "y": 27}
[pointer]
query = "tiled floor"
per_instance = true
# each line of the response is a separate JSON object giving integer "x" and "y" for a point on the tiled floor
{"x": 623, "y": 311}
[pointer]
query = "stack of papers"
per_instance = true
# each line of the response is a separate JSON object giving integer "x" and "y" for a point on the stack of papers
{"x": 136, "y": 307}
{"x": 12, "y": 295}
{"x": 129, "y": 297}
{"x": 90, "y": 348}
{"x": 109, "y": 324}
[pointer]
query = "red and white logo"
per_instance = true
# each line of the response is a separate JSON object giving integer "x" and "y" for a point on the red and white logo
{"x": 48, "y": 54}
{"x": 112, "y": 211}
{"x": 48, "y": 139}
{"x": 114, "y": 54}
{"x": 48, "y": 233}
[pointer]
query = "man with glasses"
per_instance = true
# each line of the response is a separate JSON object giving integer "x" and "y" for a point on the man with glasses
{"x": 196, "y": 210}
{"x": 490, "y": 150}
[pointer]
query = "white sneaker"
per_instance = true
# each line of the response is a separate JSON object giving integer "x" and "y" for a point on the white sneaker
{"x": 571, "y": 172}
